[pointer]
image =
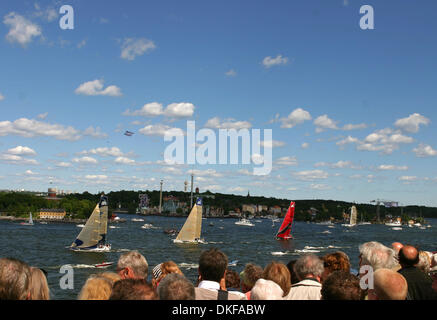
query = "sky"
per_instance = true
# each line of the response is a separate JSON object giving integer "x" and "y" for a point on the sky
{"x": 352, "y": 112}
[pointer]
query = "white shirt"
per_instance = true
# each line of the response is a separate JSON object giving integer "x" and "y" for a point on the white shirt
{"x": 210, "y": 285}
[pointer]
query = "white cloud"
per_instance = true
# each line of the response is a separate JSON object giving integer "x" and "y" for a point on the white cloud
{"x": 216, "y": 123}
{"x": 269, "y": 61}
{"x": 179, "y": 110}
{"x": 324, "y": 122}
{"x": 384, "y": 140}
{"x": 408, "y": 178}
{"x": 305, "y": 145}
{"x": 348, "y": 127}
{"x": 2, "y": 97}
{"x": 42, "y": 116}
{"x": 104, "y": 152}
{"x": 296, "y": 117}
{"x": 412, "y": 122}
{"x": 338, "y": 165}
{"x": 49, "y": 14}
{"x": 424, "y": 150}
{"x": 95, "y": 88}
{"x": 392, "y": 167}
{"x": 81, "y": 44}
{"x": 63, "y": 164}
{"x": 272, "y": 144}
{"x": 319, "y": 186}
{"x": 311, "y": 175}
{"x": 94, "y": 132}
{"x": 160, "y": 130}
{"x": 173, "y": 110}
{"x": 231, "y": 73}
{"x": 16, "y": 159}
{"x": 30, "y": 172}
{"x": 287, "y": 161}
{"x": 132, "y": 48}
{"x": 21, "y": 30}
{"x": 124, "y": 160}
{"x": 205, "y": 173}
{"x": 30, "y": 128}
{"x": 22, "y": 151}
{"x": 85, "y": 160}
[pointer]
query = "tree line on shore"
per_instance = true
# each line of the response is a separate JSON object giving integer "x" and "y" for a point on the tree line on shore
{"x": 80, "y": 205}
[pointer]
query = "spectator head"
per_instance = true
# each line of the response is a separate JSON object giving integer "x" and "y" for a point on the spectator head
{"x": 424, "y": 263}
{"x": 39, "y": 288}
{"x": 388, "y": 285}
{"x": 232, "y": 280}
{"x": 377, "y": 256}
{"x": 293, "y": 277}
{"x": 337, "y": 261}
{"x": 96, "y": 288}
{"x": 341, "y": 285}
{"x": 278, "y": 273}
{"x": 164, "y": 269}
{"x": 133, "y": 289}
{"x": 249, "y": 276}
{"x": 212, "y": 265}
{"x": 176, "y": 287}
{"x": 309, "y": 266}
{"x": 408, "y": 256}
{"x": 14, "y": 279}
{"x": 132, "y": 265}
{"x": 266, "y": 290}
{"x": 396, "y": 246}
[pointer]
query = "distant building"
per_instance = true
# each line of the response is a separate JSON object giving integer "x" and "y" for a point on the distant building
{"x": 57, "y": 214}
{"x": 171, "y": 203}
{"x": 261, "y": 208}
{"x": 249, "y": 208}
{"x": 275, "y": 209}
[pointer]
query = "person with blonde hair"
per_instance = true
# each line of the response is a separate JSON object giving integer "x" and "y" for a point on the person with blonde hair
{"x": 96, "y": 288}
{"x": 278, "y": 273}
{"x": 111, "y": 276}
{"x": 38, "y": 286}
{"x": 162, "y": 270}
{"x": 14, "y": 279}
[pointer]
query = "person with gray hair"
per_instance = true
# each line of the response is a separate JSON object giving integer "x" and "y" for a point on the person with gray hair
{"x": 176, "y": 287}
{"x": 309, "y": 269}
{"x": 377, "y": 256}
{"x": 266, "y": 290}
{"x": 15, "y": 277}
{"x": 132, "y": 265}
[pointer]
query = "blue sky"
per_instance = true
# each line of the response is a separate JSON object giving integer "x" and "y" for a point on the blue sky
{"x": 352, "y": 111}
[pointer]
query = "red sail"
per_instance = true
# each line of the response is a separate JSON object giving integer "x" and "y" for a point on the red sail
{"x": 285, "y": 229}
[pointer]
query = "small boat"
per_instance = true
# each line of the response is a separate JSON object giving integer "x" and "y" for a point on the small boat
{"x": 192, "y": 227}
{"x": 103, "y": 264}
{"x": 233, "y": 263}
{"x": 43, "y": 222}
{"x": 394, "y": 224}
{"x": 92, "y": 238}
{"x": 80, "y": 225}
{"x": 284, "y": 232}
{"x": 244, "y": 222}
{"x": 137, "y": 220}
{"x": 417, "y": 224}
{"x": 148, "y": 226}
{"x": 30, "y": 222}
{"x": 211, "y": 224}
{"x": 171, "y": 231}
{"x": 353, "y": 218}
{"x": 396, "y": 228}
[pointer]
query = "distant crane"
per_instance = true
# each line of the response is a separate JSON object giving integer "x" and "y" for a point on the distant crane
{"x": 387, "y": 203}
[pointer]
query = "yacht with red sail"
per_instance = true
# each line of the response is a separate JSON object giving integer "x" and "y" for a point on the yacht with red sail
{"x": 285, "y": 229}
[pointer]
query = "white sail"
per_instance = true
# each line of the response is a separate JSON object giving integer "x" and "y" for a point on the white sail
{"x": 191, "y": 230}
{"x": 30, "y": 218}
{"x": 95, "y": 229}
{"x": 353, "y": 218}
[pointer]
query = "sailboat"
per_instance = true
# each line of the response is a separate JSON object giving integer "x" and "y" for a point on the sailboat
{"x": 353, "y": 218}
{"x": 363, "y": 222}
{"x": 30, "y": 223}
{"x": 285, "y": 229}
{"x": 192, "y": 227}
{"x": 93, "y": 235}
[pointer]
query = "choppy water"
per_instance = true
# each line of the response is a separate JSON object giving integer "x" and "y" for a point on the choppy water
{"x": 44, "y": 246}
